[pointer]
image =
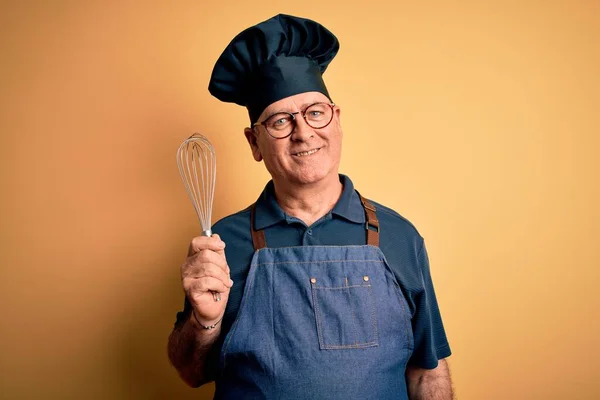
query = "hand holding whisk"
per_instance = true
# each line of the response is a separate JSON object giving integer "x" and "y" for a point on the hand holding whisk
{"x": 197, "y": 165}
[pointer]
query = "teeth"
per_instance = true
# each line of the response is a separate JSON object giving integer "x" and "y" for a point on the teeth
{"x": 307, "y": 153}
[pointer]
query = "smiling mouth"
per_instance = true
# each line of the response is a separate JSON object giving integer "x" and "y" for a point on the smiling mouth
{"x": 307, "y": 153}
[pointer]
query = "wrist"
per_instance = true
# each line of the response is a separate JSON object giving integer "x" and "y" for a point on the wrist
{"x": 205, "y": 326}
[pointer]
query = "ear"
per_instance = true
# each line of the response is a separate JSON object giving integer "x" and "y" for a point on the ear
{"x": 252, "y": 141}
{"x": 337, "y": 113}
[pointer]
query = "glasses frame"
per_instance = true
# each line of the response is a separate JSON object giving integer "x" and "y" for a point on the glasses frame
{"x": 293, "y": 115}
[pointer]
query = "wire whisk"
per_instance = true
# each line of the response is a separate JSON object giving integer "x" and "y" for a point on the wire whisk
{"x": 197, "y": 165}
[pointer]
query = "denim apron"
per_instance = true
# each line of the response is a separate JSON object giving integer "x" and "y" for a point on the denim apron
{"x": 318, "y": 322}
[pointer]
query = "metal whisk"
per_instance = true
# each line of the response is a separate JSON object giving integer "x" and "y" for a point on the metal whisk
{"x": 197, "y": 165}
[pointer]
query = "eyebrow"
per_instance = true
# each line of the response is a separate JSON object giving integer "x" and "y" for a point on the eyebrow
{"x": 287, "y": 110}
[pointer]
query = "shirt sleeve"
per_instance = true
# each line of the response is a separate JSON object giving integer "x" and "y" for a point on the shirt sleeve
{"x": 430, "y": 342}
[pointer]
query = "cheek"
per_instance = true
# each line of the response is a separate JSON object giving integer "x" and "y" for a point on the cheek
{"x": 271, "y": 155}
{"x": 263, "y": 147}
{"x": 336, "y": 141}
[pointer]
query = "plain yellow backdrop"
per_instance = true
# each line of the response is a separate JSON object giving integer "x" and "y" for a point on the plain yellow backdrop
{"x": 477, "y": 121}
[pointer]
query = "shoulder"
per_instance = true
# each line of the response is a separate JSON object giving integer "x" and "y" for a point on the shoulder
{"x": 391, "y": 222}
{"x": 234, "y": 226}
{"x": 235, "y": 231}
{"x": 402, "y": 245}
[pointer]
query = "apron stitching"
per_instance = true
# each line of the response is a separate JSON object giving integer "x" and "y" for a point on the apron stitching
{"x": 349, "y": 247}
{"x": 317, "y": 317}
{"x": 352, "y": 312}
{"x": 272, "y": 280}
{"x": 373, "y": 316}
{"x": 351, "y": 346}
{"x": 356, "y": 345}
{"x": 340, "y": 287}
{"x": 317, "y": 261}
{"x": 233, "y": 328}
{"x": 403, "y": 304}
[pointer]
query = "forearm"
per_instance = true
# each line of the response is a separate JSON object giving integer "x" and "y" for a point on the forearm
{"x": 188, "y": 348}
{"x": 430, "y": 384}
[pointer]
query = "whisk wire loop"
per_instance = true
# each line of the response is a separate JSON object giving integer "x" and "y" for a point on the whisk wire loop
{"x": 196, "y": 162}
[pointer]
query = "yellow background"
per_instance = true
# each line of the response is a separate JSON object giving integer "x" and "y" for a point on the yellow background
{"x": 478, "y": 121}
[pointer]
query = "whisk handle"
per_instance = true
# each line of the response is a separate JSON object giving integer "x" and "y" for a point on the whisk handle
{"x": 216, "y": 295}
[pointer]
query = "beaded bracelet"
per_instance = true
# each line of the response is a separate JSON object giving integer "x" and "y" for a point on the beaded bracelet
{"x": 213, "y": 326}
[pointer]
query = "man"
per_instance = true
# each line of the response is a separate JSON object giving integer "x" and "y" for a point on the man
{"x": 323, "y": 294}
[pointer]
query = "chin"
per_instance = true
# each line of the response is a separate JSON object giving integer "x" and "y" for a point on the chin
{"x": 308, "y": 177}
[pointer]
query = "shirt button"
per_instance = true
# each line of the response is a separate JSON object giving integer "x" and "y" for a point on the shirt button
{"x": 313, "y": 280}
{"x": 309, "y": 231}
{"x": 366, "y": 278}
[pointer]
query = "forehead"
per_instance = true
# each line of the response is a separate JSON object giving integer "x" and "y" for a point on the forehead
{"x": 294, "y": 103}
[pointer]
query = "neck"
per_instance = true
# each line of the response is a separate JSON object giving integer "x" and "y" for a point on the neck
{"x": 309, "y": 202}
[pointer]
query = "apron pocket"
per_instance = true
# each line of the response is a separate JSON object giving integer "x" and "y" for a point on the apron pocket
{"x": 345, "y": 316}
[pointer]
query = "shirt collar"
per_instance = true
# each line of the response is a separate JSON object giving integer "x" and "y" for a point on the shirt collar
{"x": 268, "y": 211}
{"x": 349, "y": 205}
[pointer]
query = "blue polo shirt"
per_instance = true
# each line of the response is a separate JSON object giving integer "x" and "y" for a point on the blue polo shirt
{"x": 399, "y": 241}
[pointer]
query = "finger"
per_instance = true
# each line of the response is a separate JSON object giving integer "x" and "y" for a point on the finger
{"x": 209, "y": 257}
{"x": 194, "y": 268}
{"x": 211, "y": 271}
{"x": 199, "y": 243}
{"x": 207, "y": 284}
{"x": 222, "y": 251}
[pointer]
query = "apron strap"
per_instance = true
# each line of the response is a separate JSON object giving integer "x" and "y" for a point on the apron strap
{"x": 372, "y": 222}
{"x": 371, "y": 225}
{"x": 258, "y": 237}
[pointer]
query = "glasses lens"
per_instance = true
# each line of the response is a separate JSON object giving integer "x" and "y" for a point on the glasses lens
{"x": 319, "y": 115}
{"x": 280, "y": 124}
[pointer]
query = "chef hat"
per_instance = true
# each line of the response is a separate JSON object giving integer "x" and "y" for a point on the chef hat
{"x": 280, "y": 57}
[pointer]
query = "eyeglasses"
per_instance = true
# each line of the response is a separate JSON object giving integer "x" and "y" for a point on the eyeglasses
{"x": 282, "y": 124}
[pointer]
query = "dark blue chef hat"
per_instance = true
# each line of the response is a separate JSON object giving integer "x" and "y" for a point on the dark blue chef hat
{"x": 280, "y": 57}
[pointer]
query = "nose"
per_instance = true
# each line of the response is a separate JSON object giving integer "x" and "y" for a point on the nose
{"x": 302, "y": 131}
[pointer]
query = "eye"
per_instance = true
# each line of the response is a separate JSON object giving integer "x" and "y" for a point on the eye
{"x": 279, "y": 121}
{"x": 317, "y": 112}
